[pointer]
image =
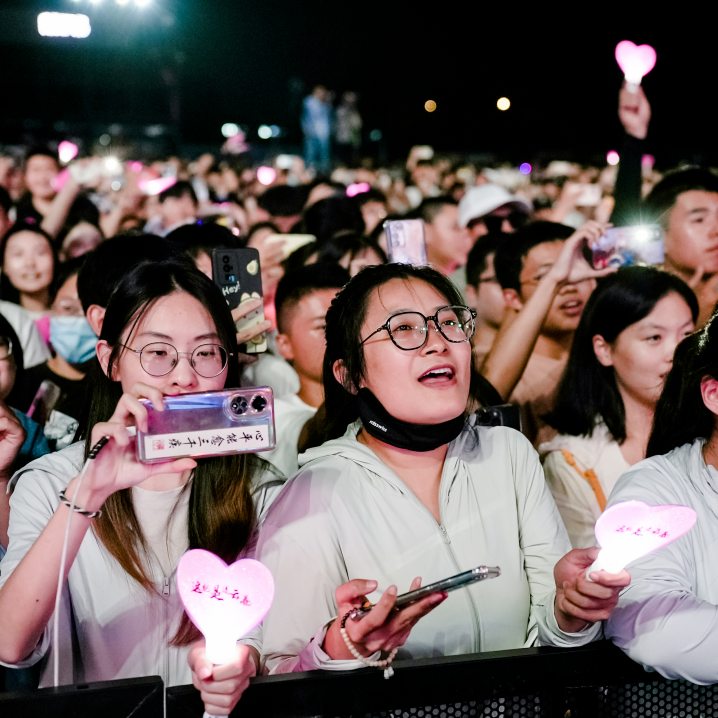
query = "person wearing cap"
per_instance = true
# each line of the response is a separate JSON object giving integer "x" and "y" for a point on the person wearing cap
{"x": 488, "y": 207}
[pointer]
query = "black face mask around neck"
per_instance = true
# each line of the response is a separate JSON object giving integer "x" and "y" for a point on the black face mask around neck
{"x": 380, "y": 424}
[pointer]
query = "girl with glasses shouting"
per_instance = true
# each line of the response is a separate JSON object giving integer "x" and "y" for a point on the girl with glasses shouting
{"x": 409, "y": 490}
{"x": 167, "y": 331}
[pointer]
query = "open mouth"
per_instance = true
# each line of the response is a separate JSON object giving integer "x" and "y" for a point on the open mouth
{"x": 572, "y": 308}
{"x": 438, "y": 375}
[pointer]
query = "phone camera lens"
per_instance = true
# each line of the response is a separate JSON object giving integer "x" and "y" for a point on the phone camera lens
{"x": 225, "y": 259}
{"x": 259, "y": 403}
{"x": 239, "y": 405}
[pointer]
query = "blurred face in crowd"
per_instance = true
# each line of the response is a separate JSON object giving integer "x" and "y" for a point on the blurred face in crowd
{"x": 40, "y": 170}
{"x": 177, "y": 319}
{"x": 67, "y": 301}
{"x": 373, "y": 213}
{"x": 691, "y": 240}
{"x": 81, "y": 239}
{"x": 447, "y": 244}
{"x": 302, "y": 340}
{"x": 365, "y": 258}
{"x": 321, "y": 191}
{"x": 429, "y": 385}
{"x": 642, "y": 354}
{"x": 487, "y": 297}
{"x": 177, "y": 209}
{"x": 568, "y": 304}
{"x": 8, "y": 368}
{"x": 29, "y": 262}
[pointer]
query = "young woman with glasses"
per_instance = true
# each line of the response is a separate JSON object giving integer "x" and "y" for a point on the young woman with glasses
{"x": 410, "y": 490}
{"x": 167, "y": 331}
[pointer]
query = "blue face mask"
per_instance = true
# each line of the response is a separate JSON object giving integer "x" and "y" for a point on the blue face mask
{"x": 73, "y": 339}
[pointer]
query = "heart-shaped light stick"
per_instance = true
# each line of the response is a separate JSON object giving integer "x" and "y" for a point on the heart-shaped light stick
{"x": 632, "y": 529}
{"x": 67, "y": 151}
{"x": 636, "y": 61}
{"x": 224, "y": 602}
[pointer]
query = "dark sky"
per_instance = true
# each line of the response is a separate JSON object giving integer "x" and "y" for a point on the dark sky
{"x": 248, "y": 61}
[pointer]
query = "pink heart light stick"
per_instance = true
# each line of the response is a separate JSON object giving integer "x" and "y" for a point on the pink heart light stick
{"x": 224, "y": 602}
{"x": 632, "y": 529}
{"x": 636, "y": 61}
{"x": 67, "y": 151}
{"x": 157, "y": 185}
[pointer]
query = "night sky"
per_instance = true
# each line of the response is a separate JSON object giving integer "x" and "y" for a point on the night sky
{"x": 192, "y": 65}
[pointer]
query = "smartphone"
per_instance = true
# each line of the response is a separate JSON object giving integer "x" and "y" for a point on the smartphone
{"x": 624, "y": 246}
{"x": 480, "y": 573}
{"x": 424, "y": 152}
{"x": 285, "y": 162}
{"x": 209, "y": 423}
{"x": 238, "y": 274}
{"x": 44, "y": 402}
{"x": 405, "y": 241}
{"x": 500, "y": 415}
{"x": 590, "y": 195}
{"x": 291, "y": 242}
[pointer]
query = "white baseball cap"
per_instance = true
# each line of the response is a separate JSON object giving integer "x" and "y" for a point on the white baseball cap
{"x": 484, "y": 199}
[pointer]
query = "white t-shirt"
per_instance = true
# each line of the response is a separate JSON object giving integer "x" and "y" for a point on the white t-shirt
{"x": 34, "y": 349}
{"x": 290, "y": 416}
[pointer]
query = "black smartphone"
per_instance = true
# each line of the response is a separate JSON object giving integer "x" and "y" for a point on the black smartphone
{"x": 500, "y": 415}
{"x": 480, "y": 573}
{"x": 238, "y": 274}
{"x": 44, "y": 402}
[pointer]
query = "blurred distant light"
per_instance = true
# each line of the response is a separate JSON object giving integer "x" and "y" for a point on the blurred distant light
{"x": 112, "y": 164}
{"x": 67, "y": 151}
{"x": 275, "y": 130}
{"x": 503, "y": 103}
{"x": 142, "y": 3}
{"x": 264, "y": 131}
{"x": 525, "y": 168}
{"x": 266, "y": 175}
{"x": 105, "y": 140}
{"x": 229, "y": 129}
{"x": 612, "y": 157}
{"x": 647, "y": 161}
{"x": 357, "y": 188}
{"x": 430, "y": 105}
{"x": 95, "y": 2}
{"x": 375, "y": 135}
{"x": 135, "y": 166}
{"x": 63, "y": 24}
{"x": 155, "y": 186}
{"x": 122, "y": 2}
{"x": 116, "y": 185}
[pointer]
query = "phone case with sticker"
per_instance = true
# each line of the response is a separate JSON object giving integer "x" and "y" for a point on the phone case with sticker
{"x": 238, "y": 274}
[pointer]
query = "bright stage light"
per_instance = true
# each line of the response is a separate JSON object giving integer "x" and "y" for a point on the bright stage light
{"x": 230, "y": 129}
{"x": 612, "y": 157}
{"x": 142, "y": 3}
{"x": 264, "y": 131}
{"x": 266, "y": 175}
{"x": 430, "y": 105}
{"x": 63, "y": 24}
{"x": 525, "y": 168}
{"x": 503, "y": 103}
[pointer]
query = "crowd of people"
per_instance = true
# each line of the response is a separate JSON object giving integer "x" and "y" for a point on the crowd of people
{"x": 384, "y": 476}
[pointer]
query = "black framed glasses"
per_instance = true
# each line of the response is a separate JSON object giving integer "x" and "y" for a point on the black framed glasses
{"x": 409, "y": 330}
{"x": 160, "y": 358}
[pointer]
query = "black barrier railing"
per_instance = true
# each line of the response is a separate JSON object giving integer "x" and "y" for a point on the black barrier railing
{"x": 597, "y": 681}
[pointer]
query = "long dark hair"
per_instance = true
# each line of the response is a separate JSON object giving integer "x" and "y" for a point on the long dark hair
{"x": 587, "y": 389}
{"x": 9, "y": 291}
{"x": 681, "y": 417}
{"x": 343, "y": 332}
{"x": 221, "y": 510}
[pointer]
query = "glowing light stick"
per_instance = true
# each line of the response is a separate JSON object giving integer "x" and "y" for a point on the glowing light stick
{"x": 59, "y": 180}
{"x": 357, "y": 188}
{"x": 636, "y": 61}
{"x": 224, "y": 602}
{"x": 157, "y": 185}
{"x": 632, "y": 529}
{"x": 67, "y": 151}
{"x": 266, "y": 175}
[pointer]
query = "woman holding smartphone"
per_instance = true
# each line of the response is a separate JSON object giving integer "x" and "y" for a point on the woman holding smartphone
{"x": 167, "y": 331}
{"x": 410, "y": 490}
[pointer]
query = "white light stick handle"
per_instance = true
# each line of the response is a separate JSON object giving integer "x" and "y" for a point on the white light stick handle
{"x": 606, "y": 562}
{"x": 219, "y": 652}
{"x": 632, "y": 87}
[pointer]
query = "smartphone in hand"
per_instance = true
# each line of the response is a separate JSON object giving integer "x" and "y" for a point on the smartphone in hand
{"x": 625, "y": 246}
{"x": 238, "y": 274}
{"x": 405, "y": 241}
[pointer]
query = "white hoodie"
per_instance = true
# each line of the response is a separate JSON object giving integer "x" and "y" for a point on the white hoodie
{"x": 667, "y": 619}
{"x": 346, "y": 515}
{"x": 110, "y": 627}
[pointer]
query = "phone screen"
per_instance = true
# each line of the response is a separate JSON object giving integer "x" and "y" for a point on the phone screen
{"x": 405, "y": 241}
{"x": 624, "y": 246}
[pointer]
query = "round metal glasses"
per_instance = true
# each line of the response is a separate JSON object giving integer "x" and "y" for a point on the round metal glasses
{"x": 409, "y": 330}
{"x": 160, "y": 358}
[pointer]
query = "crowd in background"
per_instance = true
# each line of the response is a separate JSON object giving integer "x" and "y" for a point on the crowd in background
{"x": 583, "y": 353}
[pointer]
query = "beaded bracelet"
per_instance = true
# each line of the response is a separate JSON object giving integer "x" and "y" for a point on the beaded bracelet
{"x": 385, "y": 664}
{"x": 82, "y": 512}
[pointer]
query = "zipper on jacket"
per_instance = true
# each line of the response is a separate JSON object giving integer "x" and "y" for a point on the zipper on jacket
{"x": 166, "y": 648}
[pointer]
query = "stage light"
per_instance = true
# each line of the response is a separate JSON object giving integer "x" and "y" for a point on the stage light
{"x": 266, "y": 175}
{"x": 503, "y": 103}
{"x": 229, "y": 129}
{"x": 375, "y": 135}
{"x": 264, "y": 131}
{"x": 430, "y": 105}
{"x": 275, "y": 130}
{"x": 142, "y": 3}
{"x": 525, "y": 168}
{"x": 112, "y": 164}
{"x": 67, "y": 151}
{"x": 636, "y": 61}
{"x": 105, "y": 140}
{"x": 63, "y": 24}
{"x": 612, "y": 157}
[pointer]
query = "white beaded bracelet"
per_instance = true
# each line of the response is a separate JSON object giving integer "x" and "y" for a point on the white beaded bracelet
{"x": 385, "y": 664}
